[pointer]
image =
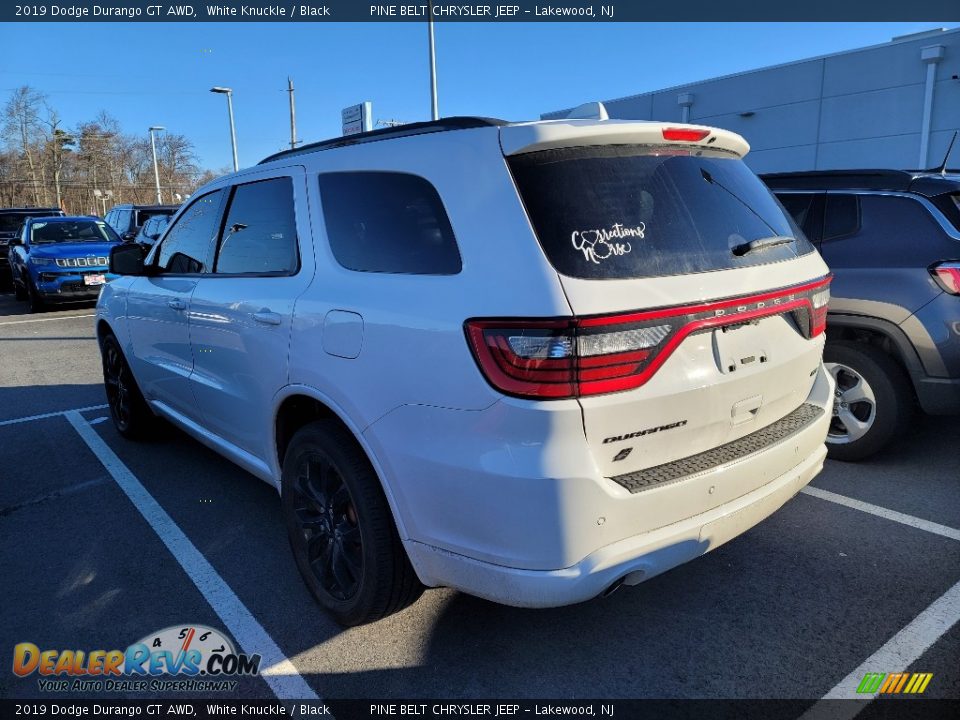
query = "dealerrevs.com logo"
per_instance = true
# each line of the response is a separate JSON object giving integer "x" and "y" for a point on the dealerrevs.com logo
{"x": 186, "y": 658}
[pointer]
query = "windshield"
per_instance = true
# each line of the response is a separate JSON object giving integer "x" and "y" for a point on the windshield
{"x": 631, "y": 211}
{"x": 56, "y": 231}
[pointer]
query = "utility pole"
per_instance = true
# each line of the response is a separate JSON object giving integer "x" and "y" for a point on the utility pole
{"x": 293, "y": 115}
{"x": 434, "y": 112}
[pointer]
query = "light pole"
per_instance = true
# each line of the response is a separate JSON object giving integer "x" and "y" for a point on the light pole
{"x": 434, "y": 112}
{"x": 156, "y": 170}
{"x": 233, "y": 132}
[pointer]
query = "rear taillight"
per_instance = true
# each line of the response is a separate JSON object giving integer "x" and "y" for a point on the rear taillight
{"x": 684, "y": 134}
{"x": 947, "y": 275}
{"x": 575, "y": 357}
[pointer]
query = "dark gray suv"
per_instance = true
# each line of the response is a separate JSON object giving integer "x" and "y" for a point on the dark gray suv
{"x": 892, "y": 239}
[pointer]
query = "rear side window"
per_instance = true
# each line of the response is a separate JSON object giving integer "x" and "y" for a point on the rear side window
{"x": 629, "y": 211}
{"x": 187, "y": 248}
{"x": 892, "y": 232}
{"x": 949, "y": 204}
{"x": 388, "y": 222}
{"x": 800, "y": 207}
{"x": 841, "y": 216}
{"x": 260, "y": 232}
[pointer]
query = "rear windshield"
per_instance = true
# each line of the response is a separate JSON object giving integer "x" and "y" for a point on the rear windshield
{"x": 144, "y": 215}
{"x": 629, "y": 211}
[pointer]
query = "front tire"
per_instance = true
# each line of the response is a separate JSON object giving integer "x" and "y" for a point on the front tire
{"x": 341, "y": 529}
{"x": 130, "y": 413}
{"x": 36, "y": 299}
{"x": 19, "y": 291}
{"x": 873, "y": 403}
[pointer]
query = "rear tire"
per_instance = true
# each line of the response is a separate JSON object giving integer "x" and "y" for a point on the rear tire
{"x": 873, "y": 404}
{"x": 130, "y": 413}
{"x": 340, "y": 527}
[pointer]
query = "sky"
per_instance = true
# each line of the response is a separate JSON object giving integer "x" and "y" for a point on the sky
{"x": 160, "y": 73}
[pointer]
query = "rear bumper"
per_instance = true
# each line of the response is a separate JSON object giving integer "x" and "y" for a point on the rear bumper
{"x": 633, "y": 560}
{"x": 507, "y": 504}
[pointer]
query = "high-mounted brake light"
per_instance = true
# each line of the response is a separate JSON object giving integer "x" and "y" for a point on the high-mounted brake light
{"x": 575, "y": 357}
{"x": 684, "y": 134}
{"x": 947, "y": 275}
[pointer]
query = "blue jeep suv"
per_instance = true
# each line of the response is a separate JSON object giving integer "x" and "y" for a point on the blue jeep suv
{"x": 61, "y": 259}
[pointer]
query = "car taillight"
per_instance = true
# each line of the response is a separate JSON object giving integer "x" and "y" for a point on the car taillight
{"x": 947, "y": 275}
{"x": 684, "y": 134}
{"x": 575, "y": 357}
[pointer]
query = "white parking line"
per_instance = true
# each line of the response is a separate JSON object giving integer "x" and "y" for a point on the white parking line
{"x": 280, "y": 674}
{"x": 46, "y": 319}
{"x": 915, "y": 522}
{"x": 43, "y": 416}
{"x": 896, "y": 655}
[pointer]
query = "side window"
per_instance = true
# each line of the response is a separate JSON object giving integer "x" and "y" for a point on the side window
{"x": 187, "y": 247}
{"x": 110, "y": 218}
{"x": 260, "y": 233}
{"x": 801, "y": 208}
{"x": 894, "y": 232}
{"x": 841, "y": 216}
{"x": 122, "y": 224}
{"x": 388, "y": 222}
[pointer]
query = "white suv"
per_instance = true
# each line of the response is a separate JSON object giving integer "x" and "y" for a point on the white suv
{"x": 531, "y": 361}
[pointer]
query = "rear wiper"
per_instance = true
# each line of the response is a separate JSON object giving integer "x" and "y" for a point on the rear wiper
{"x": 761, "y": 244}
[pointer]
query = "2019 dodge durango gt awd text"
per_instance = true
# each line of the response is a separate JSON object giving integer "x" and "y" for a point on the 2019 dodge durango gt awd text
{"x": 532, "y": 361}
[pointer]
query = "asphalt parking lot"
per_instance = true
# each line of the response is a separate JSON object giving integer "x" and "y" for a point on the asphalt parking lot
{"x": 860, "y": 574}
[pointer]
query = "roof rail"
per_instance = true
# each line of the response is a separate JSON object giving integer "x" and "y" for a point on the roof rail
{"x": 399, "y": 131}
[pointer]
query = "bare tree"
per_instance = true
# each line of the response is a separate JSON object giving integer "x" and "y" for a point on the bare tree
{"x": 21, "y": 125}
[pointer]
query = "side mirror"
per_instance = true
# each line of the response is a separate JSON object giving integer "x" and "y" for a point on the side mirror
{"x": 14, "y": 241}
{"x": 127, "y": 259}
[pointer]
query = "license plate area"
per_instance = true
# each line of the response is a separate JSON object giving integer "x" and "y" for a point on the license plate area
{"x": 94, "y": 279}
{"x": 739, "y": 348}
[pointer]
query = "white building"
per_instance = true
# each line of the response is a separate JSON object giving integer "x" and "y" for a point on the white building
{"x": 891, "y": 105}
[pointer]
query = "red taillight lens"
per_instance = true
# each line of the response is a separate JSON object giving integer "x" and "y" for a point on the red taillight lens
{"x": 684, "y": 134}
{"x": 590, "y": 356}
{"x": 947, "y": 276}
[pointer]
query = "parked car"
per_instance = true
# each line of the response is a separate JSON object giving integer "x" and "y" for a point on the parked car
{"x": 11, "y": 220}
{"x": 530, "y": 361}
{"x": 128, "y": 219}
{"x": 892, "y": 239}
{"x": 151, "y": 230}
{"x": 61, "y": 259}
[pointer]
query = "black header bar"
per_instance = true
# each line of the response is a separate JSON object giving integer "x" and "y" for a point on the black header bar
{"x": 932, "y": 11}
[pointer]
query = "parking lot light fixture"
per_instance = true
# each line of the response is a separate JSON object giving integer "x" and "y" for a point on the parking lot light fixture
{"x": 233, "y": 132}
{"x": 156, "y": 171}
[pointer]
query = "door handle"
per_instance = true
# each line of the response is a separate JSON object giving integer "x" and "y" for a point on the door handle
{"x": 176, "y": 304}
{"x": 267, "y": 317}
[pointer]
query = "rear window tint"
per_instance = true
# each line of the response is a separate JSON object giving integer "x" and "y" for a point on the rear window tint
{"x": 627, "y": 211}
{"x": 388, "y": 222}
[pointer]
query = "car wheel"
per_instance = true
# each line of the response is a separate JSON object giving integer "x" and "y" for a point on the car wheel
{"x": 19, "y": 291}
{"x": 36, "y": 299}
{"x": 131, "y": 415}
{"x": 873, "y": 402}
{"x": 340, "y": 527}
